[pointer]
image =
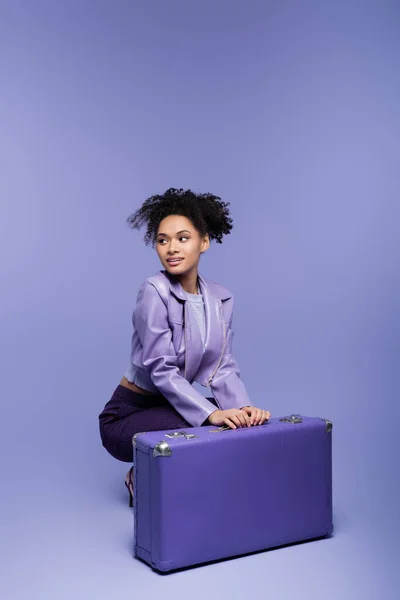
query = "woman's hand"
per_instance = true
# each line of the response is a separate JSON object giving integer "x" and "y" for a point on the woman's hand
{"x": 256, "y": 416}
{"x": 234, "y": 417}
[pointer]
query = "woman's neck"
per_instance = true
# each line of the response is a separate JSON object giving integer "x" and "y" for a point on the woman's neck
{"x": 190, "y": 283}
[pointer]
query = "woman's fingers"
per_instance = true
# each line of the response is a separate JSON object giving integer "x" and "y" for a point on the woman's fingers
{"x": 255, "y": 416}
{"x": 238, "y": 418}
{"x": 246, "y": 412}
{"x": 244, "y": 419}
{"x": 235, "y": 419}
{"x": 260, "y": 416}
{"x": 263, "y": 417}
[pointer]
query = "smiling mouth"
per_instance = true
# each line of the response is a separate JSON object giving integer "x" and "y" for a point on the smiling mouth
{"x": 174, "y": 261}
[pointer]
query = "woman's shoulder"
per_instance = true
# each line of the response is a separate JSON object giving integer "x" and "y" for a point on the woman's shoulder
{"x": 218, "y": 290}
{"x": 155, "y": 285}
{"x": 156, "y": 280}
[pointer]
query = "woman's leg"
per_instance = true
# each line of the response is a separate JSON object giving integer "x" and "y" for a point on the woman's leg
{"x": 128, "y": 413}
{"x": 152, "y": 419}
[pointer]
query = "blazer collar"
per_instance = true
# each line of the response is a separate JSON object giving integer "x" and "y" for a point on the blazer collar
{"x": 207, "y": 287}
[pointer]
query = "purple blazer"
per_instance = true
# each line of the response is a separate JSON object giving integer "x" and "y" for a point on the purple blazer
{"x": 166, "y": 342}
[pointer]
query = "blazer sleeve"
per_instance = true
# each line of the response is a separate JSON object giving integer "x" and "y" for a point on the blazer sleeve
{"x": 150, "y": 320}
{"x": 226, "y": 385}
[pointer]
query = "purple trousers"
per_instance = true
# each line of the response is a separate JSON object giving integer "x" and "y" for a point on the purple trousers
{"x": 128, "y": 412}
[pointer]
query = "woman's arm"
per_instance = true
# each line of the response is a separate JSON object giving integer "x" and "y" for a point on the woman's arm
{"x": 150, "y": 320}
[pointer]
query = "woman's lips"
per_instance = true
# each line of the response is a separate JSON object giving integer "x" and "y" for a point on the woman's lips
{"x": 175, "y": 262}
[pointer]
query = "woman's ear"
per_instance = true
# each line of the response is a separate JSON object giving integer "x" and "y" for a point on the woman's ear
{"x": 205, "y": 243}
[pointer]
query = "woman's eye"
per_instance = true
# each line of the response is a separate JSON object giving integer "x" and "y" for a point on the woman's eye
{"x": 183, "y": 237}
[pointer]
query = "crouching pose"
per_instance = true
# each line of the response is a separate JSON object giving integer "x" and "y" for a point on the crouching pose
{"x": 182, "y": 333}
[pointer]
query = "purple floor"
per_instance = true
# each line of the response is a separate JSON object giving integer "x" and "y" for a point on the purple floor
{"x": 67, "y": 529}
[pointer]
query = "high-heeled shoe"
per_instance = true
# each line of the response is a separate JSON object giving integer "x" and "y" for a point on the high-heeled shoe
{"x": 129, "y": 485}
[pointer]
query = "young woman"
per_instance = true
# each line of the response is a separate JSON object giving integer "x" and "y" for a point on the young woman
{"x": 182, "y": 333}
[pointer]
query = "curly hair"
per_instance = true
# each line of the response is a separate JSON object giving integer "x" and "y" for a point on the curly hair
{"x": 206, "y": 211}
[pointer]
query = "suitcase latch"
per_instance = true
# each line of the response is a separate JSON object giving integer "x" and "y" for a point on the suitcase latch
{"x": 292, "y": 419}
{"x": 176, "y": 434}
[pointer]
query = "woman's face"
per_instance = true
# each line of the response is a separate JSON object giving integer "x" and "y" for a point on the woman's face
{"x": 177, "y": 238}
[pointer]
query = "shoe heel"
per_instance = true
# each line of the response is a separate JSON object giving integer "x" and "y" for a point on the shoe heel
{"x": 130, "y": 495}
{"x": 129, "y": 485}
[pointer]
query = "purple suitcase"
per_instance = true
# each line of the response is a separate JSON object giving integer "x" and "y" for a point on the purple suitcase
{"x": 208, "y": 493}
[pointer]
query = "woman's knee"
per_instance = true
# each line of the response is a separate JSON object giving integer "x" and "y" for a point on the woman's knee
{"x": 116, "y": 432}
{"x": 118, "y": 448}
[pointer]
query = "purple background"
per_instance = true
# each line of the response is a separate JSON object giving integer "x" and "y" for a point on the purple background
{"x": 290, "y": 111}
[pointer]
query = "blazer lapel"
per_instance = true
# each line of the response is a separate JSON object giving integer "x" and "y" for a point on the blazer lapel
{"x": 199, "y": 363}
{"x": 214, "y": 331}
